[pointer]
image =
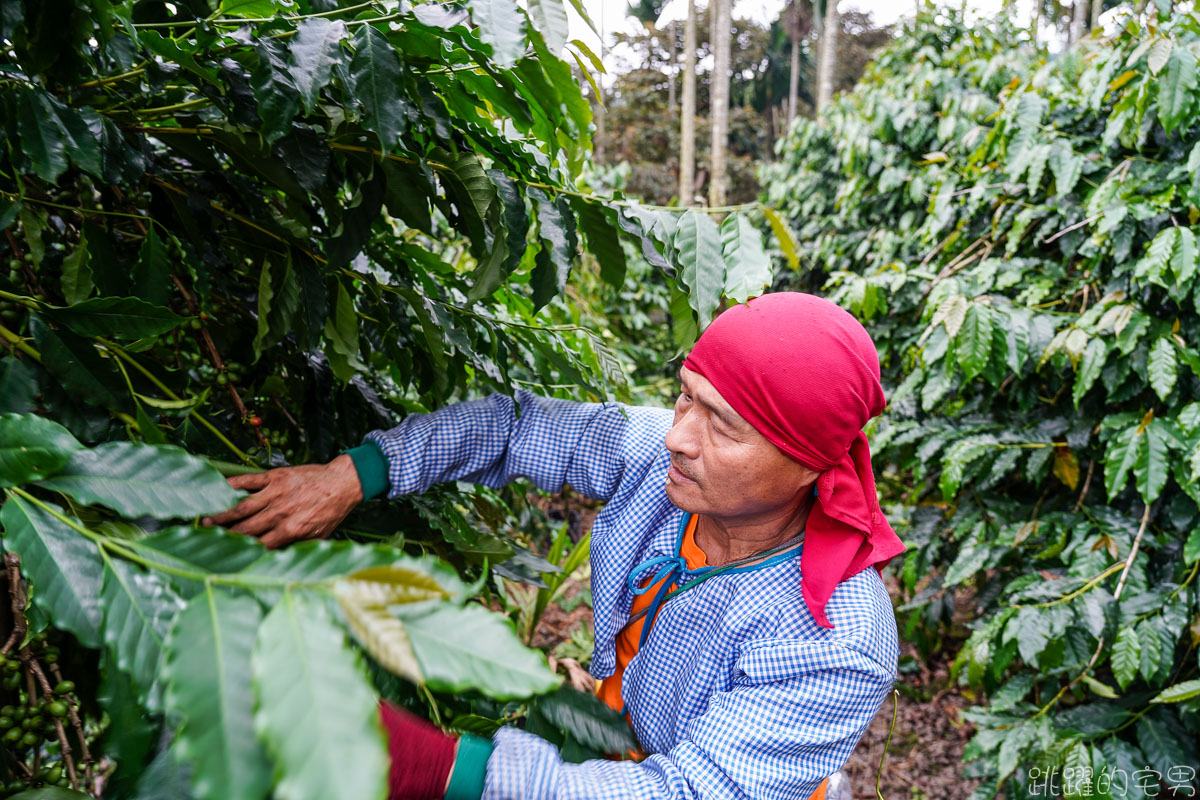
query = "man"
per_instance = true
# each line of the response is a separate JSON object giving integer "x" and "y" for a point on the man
{"x": 737, "y": 623}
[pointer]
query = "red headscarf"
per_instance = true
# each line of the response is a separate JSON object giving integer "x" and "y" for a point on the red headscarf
{"x": 805, "y": 374}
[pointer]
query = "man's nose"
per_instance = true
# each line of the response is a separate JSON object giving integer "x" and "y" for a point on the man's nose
{"x": 683, "y": 438}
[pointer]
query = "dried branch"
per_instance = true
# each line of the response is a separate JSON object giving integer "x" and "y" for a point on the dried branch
{"x": 88, "y": 760}
{"x": 16, "y": 591}
{"x": 216, "y": 357}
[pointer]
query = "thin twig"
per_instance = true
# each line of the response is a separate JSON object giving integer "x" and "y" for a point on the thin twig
{"x": 1087, "y": 482}
{"x": 216, "y": 357}
{"x": 35, "y": 670}
{"x": 16, "y": 591}
{"x": 1133, "y": 551}
{"x": 1070, "y": 228}
{"x": 88, "y": 761}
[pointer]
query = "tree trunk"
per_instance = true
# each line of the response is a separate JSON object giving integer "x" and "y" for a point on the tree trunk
{"x": 687, "y": 115}
{"x": 1037, "y": 23}
{"x": 722, "y": 26}
{"x": 827, "y": 60}
{"x": 794, "y": 66}
{"x": 674, "y": 69}
{"x": 1078, "y": 20}
{"x": 1097, "y": 7}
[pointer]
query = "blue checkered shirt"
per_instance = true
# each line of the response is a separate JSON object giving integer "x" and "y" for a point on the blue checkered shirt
{"x": 738, "y": 693}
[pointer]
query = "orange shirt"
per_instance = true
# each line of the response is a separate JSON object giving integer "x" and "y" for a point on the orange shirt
{"x": 628, "y": 639}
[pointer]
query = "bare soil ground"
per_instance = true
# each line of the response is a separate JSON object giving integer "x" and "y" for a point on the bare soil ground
{"x": 924, "y": 759}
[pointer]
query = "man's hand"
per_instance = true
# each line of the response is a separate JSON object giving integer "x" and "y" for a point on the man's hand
{"x": 293, "y": 503}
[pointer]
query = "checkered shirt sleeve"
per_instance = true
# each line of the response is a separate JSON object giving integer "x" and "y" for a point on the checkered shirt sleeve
{"x": 587, "y": 446}
{"x": 791, "y": 720}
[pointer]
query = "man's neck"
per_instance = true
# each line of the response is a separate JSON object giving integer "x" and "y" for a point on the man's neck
{"x": 729, "y": 539}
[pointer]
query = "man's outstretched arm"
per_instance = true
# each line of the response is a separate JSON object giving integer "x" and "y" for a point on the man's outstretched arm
{"x": 490, "y": 441}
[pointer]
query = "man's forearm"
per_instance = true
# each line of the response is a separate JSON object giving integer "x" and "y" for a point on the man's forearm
{"x": 550, "y": 442}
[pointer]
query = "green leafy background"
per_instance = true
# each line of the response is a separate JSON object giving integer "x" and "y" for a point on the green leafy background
{"x": 1018, "y": 234}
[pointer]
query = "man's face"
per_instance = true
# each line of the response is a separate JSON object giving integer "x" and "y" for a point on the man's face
{"x": 720, "y": 465}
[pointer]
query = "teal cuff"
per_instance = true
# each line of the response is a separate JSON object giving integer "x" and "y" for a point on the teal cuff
{"x": 372, "y": 468}
{"x": 470, "y": 768}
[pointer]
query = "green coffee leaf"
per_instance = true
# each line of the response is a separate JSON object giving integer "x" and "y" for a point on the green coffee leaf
{"x": 698, "y": 241}
{"x": 1184, "y": 257}
{"x": 127, "y": 317}
{"x": 1119, "y": 458}
{"x": 139, "y": 608}
{"x": 550, "y": 18}
{"x": 32, "y": 448}
{"x": 18, "y": 386}
{"x": 77, "y": 273}
{"x": 473, "y": 648}
{"x": 1177, "y": 89}
{"x": 1153, "y": 464}
{"x": 63, "y": 565}
{"x": 1100, "y": 688}
{"x": 785, "y": 237}
{"x": 1191, "y": 549}
{"x": 43, "y": 140}
{"x": 973, "y": 344}
{"x": 1153, "y": 265}
{"x": 209, "y": 550}
{"x": 152, "y": 272}
{"x": 316, "y": 711}
{"x": 1090, "y": 367}
{"x": 747, "y": 268}
{"x": 1066, "y": 166}
{"x": 501, "y": 25}
{"x": 207, "y": 665}
{"x": 599, "y": 227}
{"x": 1179, "y": 692}
{"x": 76, "y": 363}
{"x": 375, "y": 71}
{"x": 160, "y": 481}
{"x": 341, "y": 329}
{"x": 556, "y": 229}
{"x": 1126, "y": 656}
{"x": 311, "y": 563}
{"x": 315, "y": 50}
{"x": 1164, "y": 741}
{"x": 587, "y": 719}
{"x": 1163, "y": 367}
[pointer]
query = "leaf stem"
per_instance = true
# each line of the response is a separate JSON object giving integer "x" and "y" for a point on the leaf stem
{"x": 146, "y": 112}
{"x": 1066, "y": 598}
{"x": 162, "y": 387}
{"x": 128, "y": 550}
{"x": 19, "y": 343}
{"x": 78, "y": 210}
{"x": 1133, "y": 551}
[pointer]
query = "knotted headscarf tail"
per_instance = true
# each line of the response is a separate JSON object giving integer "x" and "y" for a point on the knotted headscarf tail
{"x": 805, "y": 374}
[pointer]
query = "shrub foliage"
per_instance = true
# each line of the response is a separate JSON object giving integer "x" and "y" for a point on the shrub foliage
{"x": 241, "y": 234}
{"x": 1018, "y": 233}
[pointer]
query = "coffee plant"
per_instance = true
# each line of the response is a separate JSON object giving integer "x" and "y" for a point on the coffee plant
{"x": 1018, "y": 233}
{"x": 241, "y": 234}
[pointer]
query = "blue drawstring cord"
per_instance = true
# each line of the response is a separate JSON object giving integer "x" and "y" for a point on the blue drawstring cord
{"x": 666, "y": 565}
{"x": 668, "y": 572}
